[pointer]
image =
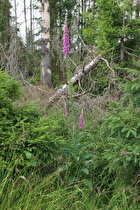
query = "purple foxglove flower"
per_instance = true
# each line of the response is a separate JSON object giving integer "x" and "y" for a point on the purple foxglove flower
{"x": 81, "y": 122}
{"x": 66, "y": 113}
{"x": 66, "y": 41}
{"x": 45, "y": 116}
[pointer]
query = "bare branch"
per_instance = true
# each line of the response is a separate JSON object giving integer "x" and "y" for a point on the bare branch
{"x": 74, "y": 80}
{"x": 108, "y": 66}
{"x": 84, "y": 43}
{"x": 27, "y": 83}
{"x": 131, "y": 53}
{"x": 79, "y": 95}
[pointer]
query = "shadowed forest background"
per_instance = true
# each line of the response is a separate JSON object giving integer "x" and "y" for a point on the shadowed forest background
{"x": 70, "y": 124}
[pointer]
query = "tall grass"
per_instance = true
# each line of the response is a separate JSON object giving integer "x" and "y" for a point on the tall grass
{"x": 32, "y": 192}
{"x": 50, "y": 163}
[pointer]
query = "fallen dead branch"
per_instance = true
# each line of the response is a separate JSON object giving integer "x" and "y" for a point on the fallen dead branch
{"x": 74, "y": 80}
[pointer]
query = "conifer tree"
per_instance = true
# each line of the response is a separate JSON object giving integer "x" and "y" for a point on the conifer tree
{"x": 113, "y": 28}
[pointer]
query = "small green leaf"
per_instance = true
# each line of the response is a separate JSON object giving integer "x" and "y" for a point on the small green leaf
{"x": 128, "y": 134}
{"x": 89, "y": 184}
{"x": 33, "y": 163}
{"x": 134, "y": 133}
{"x": 28, "y": 155}
{"x": 86, "y": 156}
{"x": 85, "y": 170}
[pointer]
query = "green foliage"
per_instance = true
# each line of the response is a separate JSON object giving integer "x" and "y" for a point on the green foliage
{"x": 108, "y": 25}
{"x": 51, "y": 163}
{"x": 5, "y": 22}
{"x": 107, "y": 21}
{"x": 122, "y": 127}
{"x": 79, "y": 159}
{"x": 27, "y": 138}
{"x": 131, "y": 87}
{"x": 9, "y": 88}
{"x": 32, "y": 193}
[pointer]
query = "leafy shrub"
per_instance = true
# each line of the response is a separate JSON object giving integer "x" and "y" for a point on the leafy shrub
{"x": 27, "y": 139}
{"x": 122, "y": 128}
{"x": 9, "y": 88}
{"x": 78, "y": 160}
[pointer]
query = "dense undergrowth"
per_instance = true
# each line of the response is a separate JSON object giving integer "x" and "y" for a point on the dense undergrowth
{"x": 48, "y": 162}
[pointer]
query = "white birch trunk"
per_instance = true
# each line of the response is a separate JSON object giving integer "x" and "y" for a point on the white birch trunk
{"x": 75, "y": 78}
{"x": 45, "y": 60}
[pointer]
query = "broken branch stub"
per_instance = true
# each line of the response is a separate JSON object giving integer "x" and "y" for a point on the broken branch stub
{"x": 74, "y": 80}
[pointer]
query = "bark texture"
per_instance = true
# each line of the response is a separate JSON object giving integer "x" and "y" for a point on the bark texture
{"x": 75, "y": 78}
{"x": 45, "y": 60}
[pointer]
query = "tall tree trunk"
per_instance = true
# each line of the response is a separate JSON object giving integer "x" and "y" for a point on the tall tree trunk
{"x": 25, "y": 19}
{"x": 31, "y": 27}
{"x": 137, "y": 10}
{"x": 15, "y": 5}
{"x": 5, "y": 23}
{"x": 45, "y": 60}
{"x": 122, "y": 39}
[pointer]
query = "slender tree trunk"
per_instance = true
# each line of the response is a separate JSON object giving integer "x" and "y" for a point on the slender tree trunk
{"x": 25, "y": 19}
{"x": 45, "y": 60}
{"x": 15, "y": 5}
{"x": 122, "y": 40}
{"x": 137, "y": 10}
{"x": 31, "y": 27}
{"x": 6, "y": 15}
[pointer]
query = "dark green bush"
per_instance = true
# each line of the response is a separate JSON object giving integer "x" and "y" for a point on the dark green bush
{"x": 122, "y": 128}
{"x": 27, "y": 139}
